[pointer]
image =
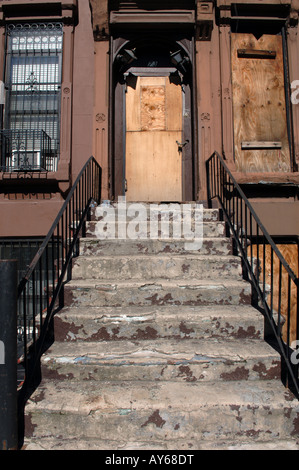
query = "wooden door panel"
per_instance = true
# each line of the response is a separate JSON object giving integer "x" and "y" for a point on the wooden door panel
{"x": 133, "y": 117}
{"x": 153, "y": 166}
{"x": 260, "y": 125}
{"x": 153, "y": 127}
{"x": 174, "y": 108}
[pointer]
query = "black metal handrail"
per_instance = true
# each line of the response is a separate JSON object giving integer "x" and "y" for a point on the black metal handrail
{"x": 40, "y": 292}
{"x": 275, "y": 285}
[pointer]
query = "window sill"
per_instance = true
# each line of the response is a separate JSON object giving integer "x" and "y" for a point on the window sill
{"x": 61, "y": 175}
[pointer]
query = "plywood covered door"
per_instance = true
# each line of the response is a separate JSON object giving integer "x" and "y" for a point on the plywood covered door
{"x": 259, "y": 106}
{"x": 153, "y": 162}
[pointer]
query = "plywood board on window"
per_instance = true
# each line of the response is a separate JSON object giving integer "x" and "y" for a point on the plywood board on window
{"x": 259, "y": 105}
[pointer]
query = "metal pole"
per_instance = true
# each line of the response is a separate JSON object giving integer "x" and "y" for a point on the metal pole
{"x": 8, "y": 355}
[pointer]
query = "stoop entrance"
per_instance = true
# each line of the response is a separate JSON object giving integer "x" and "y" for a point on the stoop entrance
{"x": 152, "y": 144}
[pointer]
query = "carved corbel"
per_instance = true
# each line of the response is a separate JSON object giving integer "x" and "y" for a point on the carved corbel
{"x": 204, "y": 20}
{"x": 224, "y": 12}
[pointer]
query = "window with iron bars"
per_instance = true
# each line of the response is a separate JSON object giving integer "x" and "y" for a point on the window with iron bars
{"x": 31, "y": 116}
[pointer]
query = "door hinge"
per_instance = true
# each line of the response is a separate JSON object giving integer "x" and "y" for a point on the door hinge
{"x": 126, "y": 185}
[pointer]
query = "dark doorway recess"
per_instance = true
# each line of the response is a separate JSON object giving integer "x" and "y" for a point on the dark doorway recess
{"x": 152, "y": 55}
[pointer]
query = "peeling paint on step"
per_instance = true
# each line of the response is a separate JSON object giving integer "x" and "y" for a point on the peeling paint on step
{"x": 124, "y": 412}
{"x": 155, "y": 419}
{"x": 106, "y": 287}
{"x": 150, "y": 287}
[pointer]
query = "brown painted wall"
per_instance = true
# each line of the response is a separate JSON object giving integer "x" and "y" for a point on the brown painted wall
{"x": 208, "y": 105}
{"x": 29, "y": 203}
{"x": 279, "y": 217}
{"x": 101, "y": 111}
{"x": 86, "y": 115}
{"x": 28, "y": 218}
{"x": 83, "y": 89}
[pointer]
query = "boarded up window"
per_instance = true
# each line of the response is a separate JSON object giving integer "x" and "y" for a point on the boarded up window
{"x": 260, "y": 125}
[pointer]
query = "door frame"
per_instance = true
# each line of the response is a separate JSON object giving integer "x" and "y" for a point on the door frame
{"x": 117, "y": 104}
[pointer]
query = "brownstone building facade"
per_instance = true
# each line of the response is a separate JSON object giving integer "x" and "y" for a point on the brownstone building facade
{"x": 150, "y": 89}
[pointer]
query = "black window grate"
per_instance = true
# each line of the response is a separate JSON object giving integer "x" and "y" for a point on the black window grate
{"x": 33, "y": 94}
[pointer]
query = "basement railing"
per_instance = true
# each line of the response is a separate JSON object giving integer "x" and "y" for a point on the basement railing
{"x": 26, "y": 150}
{"x": 27, "y": 309}
{"x": 275, "y": 285}
{"x": 40, "y": 292}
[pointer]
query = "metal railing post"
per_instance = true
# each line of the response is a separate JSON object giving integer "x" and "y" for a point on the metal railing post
{"x": 8, "y": 355}
{"x": 255, "y": 265}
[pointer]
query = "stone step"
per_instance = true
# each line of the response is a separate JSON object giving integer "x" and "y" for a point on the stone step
{"x": 152, "y": 266}
{"x": 158, "y": 347}
{"x": 153, "y": 211}
{"x": 144, "y": 449}
{"x": 160, "y": 360}
{"x": 209, "y": 246}
{"x": 133, "y": 230}
{"x": 161, "y": 292}
{"x": 156, "y": 412}
{"x": 136, "y": 323}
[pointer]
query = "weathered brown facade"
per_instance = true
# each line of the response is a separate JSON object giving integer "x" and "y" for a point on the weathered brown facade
{"x": 151, "y": 89}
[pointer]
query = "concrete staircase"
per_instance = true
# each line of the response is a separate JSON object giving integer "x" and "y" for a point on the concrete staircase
{"x": 160, "y": 348}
